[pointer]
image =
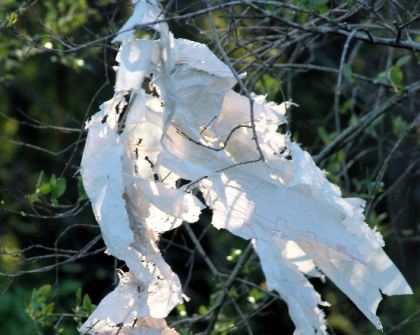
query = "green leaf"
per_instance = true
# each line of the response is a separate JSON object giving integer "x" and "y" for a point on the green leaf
{"x": 44, "y": 188}
{"x": 353, "y": 120}
{"x": 381, "y": 78}
{"x": 80, "y": 189}
{"x": 12, "y": 19}
{"x": 348, "y": 72}
{"x": 396, "y": 78}
{"x": 182, "y": 310}
{"x": 403, "y": 60}
{"x": 399, "y": 125}
{"x": 32, "y": 198}
{"x": 87, "y": 304}
{"x": 58, "y": 189}
{"x": 347, "y": 105}
{"x": 42, "y": 292}
{"x": 53, "y": 180}
{"x": 203, "y": 310}
{"x": 324, "y": 135}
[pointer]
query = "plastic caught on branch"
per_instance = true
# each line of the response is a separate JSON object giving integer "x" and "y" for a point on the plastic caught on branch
{"x": 192, "y": 125}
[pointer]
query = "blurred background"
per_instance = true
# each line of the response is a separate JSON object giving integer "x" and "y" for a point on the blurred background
{"x": 351, "y": 66}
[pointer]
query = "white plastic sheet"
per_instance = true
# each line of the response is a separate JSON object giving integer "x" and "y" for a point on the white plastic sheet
{"x": 196, "y": 127}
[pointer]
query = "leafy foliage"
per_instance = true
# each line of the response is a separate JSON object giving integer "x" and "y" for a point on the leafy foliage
{"x": 51, "y": 77}
{"x": 40, "y": 308}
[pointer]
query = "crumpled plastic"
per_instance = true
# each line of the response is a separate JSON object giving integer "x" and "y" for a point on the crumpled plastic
{"x": 189, "y": 123}
{"x": 127, "y": 218}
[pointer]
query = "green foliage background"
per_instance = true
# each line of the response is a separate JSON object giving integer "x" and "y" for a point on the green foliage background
{"x": 56, "y": 68}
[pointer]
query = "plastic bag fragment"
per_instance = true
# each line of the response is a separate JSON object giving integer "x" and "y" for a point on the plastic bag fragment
{"x": 188, "y": 123}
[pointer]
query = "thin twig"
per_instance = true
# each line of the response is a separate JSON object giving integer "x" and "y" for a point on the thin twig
{"x": 240, "y": 82}
{"x": 339, "y": 81}
{"x": 364, "y": 122}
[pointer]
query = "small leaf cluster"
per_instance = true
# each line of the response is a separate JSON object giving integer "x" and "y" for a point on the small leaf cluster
{"x": 53, "y": 188}
{"x": 395, "y": 75}
{"x": 40, "y": 308}
{"x": 83, "y": 308}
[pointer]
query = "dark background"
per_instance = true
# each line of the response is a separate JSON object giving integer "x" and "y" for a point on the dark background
{"x": 56, "y": 68}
